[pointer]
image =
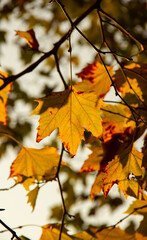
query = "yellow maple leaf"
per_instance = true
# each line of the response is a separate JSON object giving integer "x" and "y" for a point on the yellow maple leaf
{"x": 52, "y": 231}
{"x": 71, "y": 111}
{"x": 133, "y": 85}
{"x": 35, "y": 164}
{"x": 95, "y": 158}
{"x": 137, "y": 207}
{"x": 83, "y": 235}
{"x": 32, "y": 197}
{"x": 95, "y": 78}
{"x": 30, "y": 38}
{"x": 116, "y": 233}
{"x": 3, "y": 98}
{"x": 136, "y": 76}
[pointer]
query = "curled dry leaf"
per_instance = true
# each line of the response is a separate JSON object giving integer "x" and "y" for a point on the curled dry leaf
{"x": 30, "y": 38}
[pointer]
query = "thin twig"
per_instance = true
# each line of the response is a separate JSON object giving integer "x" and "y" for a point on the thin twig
{"x": 122, "y": 29}
{"x": 70, "y": 60}
{"x": 124, "y": 74}
{"x": 59, "y": 164}
{"x": 22, "y": 226}
{"x": 121, "y": 220}
{"x": 65, "y": 212}
{"x": 59, "y": 71}
{"x": 116, "y": 113}
{"x": 81, "y": 33}
{"x": 14, "y": 235}
{"x": 32, "y": 66}
{"x": 112, "y": 82}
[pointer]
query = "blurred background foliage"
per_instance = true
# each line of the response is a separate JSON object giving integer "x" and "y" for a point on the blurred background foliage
{"x": 50, "y": 24}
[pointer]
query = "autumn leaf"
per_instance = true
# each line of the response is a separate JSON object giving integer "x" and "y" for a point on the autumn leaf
{"x": 3, "y": 98}
{"x": 123, "y": 162}
{"x": 116, "y": 233}
{"x": 32, "y": 197}
{"x": 35, "y": 164}
{"x": 115, "y": 119}
{"x": 133, "y": 84}
{"x": 83, "y": 235}
{"x": 94, "y": 159}
{"x": 135, "y": 77}
{"x": 52, "y": 231}
{"x": 95, "y": 78}
{"x": 139, "y": 207}
{"x": 30, "y": 38}
{"x": 71, "y": 111}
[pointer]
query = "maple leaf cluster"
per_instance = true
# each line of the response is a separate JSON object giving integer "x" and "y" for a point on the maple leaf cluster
{"x": 108, "y": 129}
{"x": 113, "y": 132}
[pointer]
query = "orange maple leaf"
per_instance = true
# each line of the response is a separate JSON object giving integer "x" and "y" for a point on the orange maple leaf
{"x": 94, "y": 159}
{"x": 115, "y": 119}
{"x": 71, "y": 111}
{"x": 30, "y": 38}
{"x": 95, "y": 78}
{"x": 52, "y": 231}
{"x": 126, "y": 161}
{"x": 3, "y": 98}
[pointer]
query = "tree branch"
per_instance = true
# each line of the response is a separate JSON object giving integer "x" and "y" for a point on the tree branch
{"x": 14, "y": 235}
{"x": 122, "y": 219}
{"x": 122, "y": 69}
{"x": 31, "y": 67}
{"x": 65, "y": 212}
{"x": 74, "y": 26}
{"x": 59, "y": 71}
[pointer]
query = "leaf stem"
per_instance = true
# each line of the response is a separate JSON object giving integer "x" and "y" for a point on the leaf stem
{"x": 14, "y": 139}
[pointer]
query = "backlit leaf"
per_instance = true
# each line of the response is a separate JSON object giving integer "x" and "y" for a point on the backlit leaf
{"x": 95, "y": 78}
{"x": 95, "y": 158}
{"x": 116, "y": 233}
{"x": 3, "y": 98}
{"x": 83, "y": 235}
{"x": 126, "y": 161}
{"x": 71, "y": 111}
{"x": 32, "y": 196}
{"x": 138, "y": 206}
{"x": 133, "y": 87}
{"x": 136, "y": 76}
{"x": 35, "y": 164}
{"x": 30, "y": 38}
{"x": 116, "y": 118}
{"x": 52, "y": 231}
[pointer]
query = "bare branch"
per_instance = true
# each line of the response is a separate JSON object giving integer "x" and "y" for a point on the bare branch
{"x": 59, "y": 71}
{"x": 14, "y": 235}
{"x": 31, "y": 67}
